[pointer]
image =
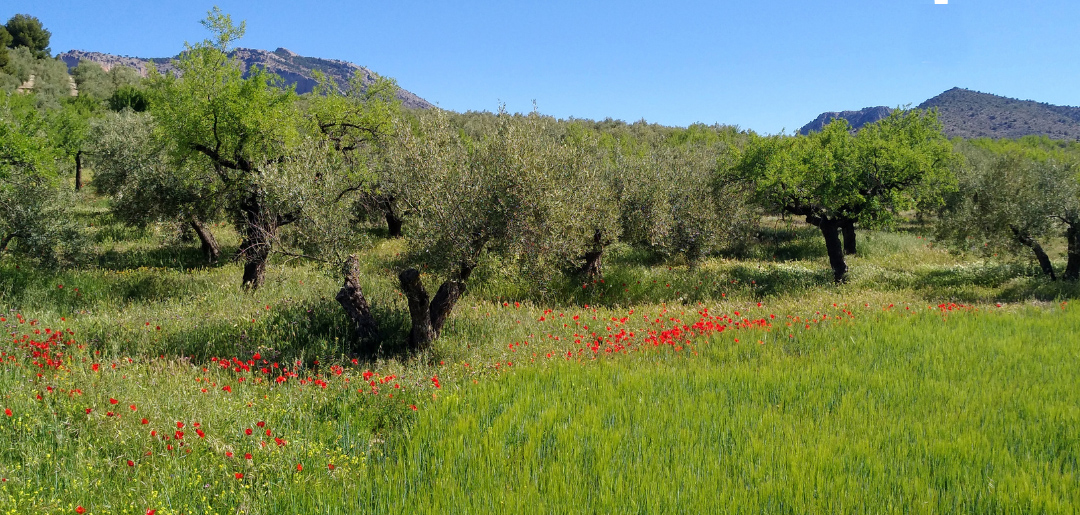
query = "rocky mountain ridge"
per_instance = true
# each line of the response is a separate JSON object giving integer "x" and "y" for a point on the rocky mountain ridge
{"x": 293, "y": 68}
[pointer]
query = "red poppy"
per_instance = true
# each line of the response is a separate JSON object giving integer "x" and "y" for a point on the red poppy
{"x": 247, "y": 431}
{"x": 130, "y": 463}
{"x": 239, "y": 475}
{"x": 260, "y": 423}
{"x": 247, "y": 456}
{"x": 80, "y": 510}
{"x": 179, "y": 425}
{"x": 330, "y": 466}
{"x": 299, "y": 467}
{"x": 132, "y": 407}
{"x": 144, "y": 421}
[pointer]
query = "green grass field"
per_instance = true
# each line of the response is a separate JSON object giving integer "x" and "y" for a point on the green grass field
{"x": 931, "y": 383}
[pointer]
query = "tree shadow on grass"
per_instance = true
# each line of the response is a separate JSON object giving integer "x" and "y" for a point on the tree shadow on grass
{"x": 180, "y": 257}
{"x": 797, "y": 243}
{"x": 299, "y": 330}
{"x": 1007, "y": 282}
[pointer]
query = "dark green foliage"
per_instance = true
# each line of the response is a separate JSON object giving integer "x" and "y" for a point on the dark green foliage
{"x": 129, "y": 97}
{"x": 5, "y": 42}
{"x": 27, "y": 31}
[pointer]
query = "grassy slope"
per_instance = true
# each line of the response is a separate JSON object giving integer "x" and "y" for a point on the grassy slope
{"x": 872, "y": 408}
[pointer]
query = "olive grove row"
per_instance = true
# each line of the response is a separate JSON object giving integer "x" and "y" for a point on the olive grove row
{"x": 305, "y": 175}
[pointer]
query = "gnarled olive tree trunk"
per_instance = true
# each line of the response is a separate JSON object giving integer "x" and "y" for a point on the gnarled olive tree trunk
{"x": 260, "y": 229}
{"x": 351, "y": 297}
{"x": 210, "y": 247}
{"x": 429, "y": 316}
{"x": 593, "y": 258}
{"x": 1029, "y": 242}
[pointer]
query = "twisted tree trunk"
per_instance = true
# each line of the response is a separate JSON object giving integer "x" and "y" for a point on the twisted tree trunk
{"x": 351, "y": 297}
{"x": 428, "y": 317}
{"x": 1040, "y": 254}
{"x": 260, "y": 230}
{"x": 593, "y": 258}
{"x": 4, "y": 242}
{"x": 210, "y": 247}
{"x": 421, "y": 335}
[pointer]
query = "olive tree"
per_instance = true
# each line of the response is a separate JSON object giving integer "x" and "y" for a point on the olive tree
{"x": 470, "y": 198}
{"x": 132, "y": 166}
{"x": 1007, "y": 201}
{"x": 673, "y": 201}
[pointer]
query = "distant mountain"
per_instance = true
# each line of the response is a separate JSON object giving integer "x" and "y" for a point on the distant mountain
{"x": 294, "y": 69}
{"x": 855, "y": 118}
{"x": 971, "y": 114}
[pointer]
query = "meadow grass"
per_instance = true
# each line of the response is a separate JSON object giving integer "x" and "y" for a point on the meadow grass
{"x": 908, "y": 390}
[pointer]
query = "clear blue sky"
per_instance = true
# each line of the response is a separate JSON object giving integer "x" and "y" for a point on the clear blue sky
{"x": 766, "y": 65}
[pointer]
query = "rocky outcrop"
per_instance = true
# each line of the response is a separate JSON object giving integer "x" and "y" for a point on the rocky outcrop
{"x": 294, "y": 69}
{"x": 855, "y": 118}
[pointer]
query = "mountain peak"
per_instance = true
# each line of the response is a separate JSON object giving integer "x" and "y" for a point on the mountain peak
{"x": 972, "y": 114}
